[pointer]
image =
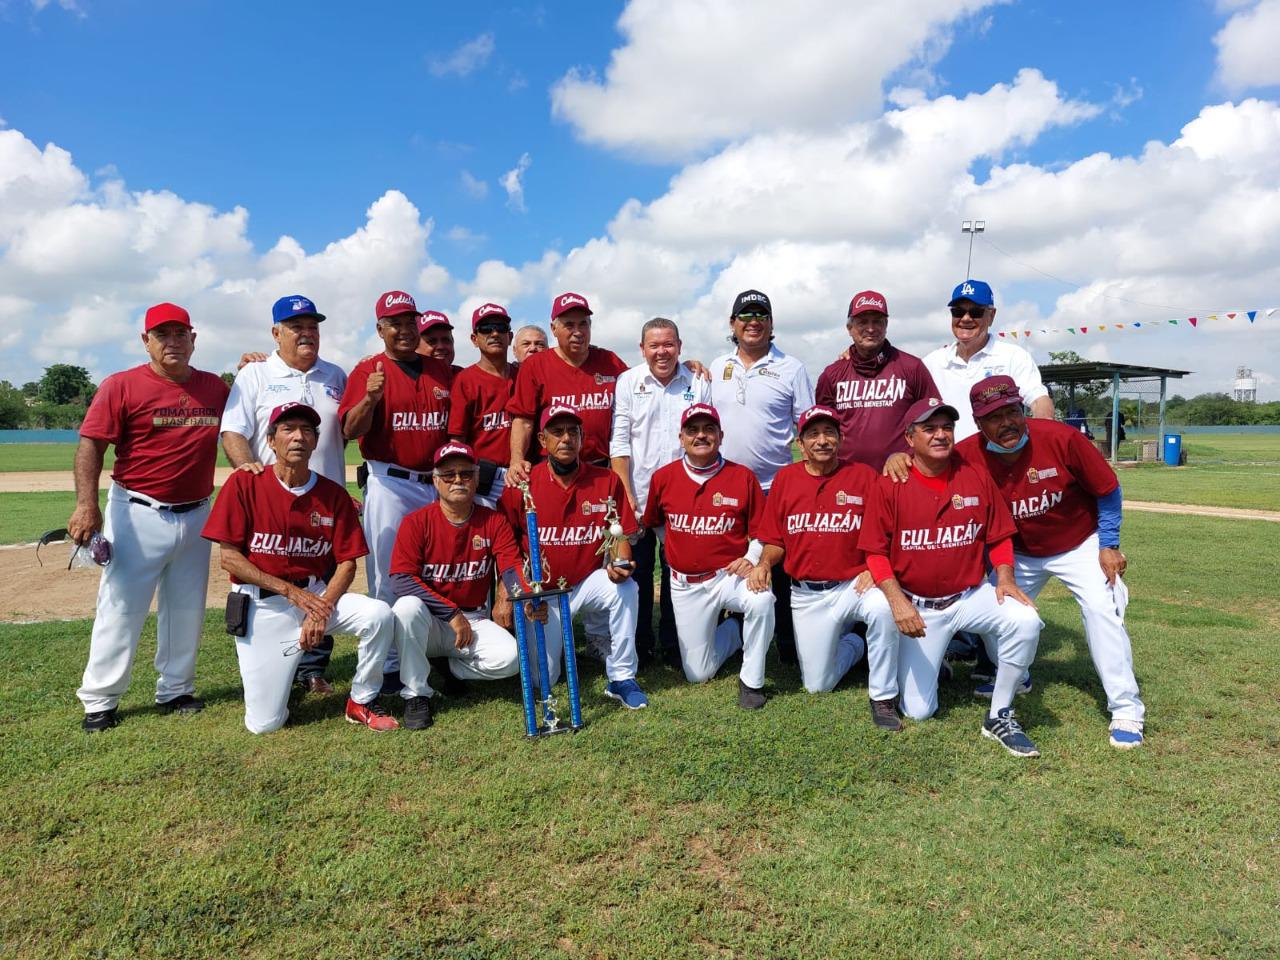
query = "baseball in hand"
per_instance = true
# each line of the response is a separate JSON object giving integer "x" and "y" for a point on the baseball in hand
{"x": 615, "y": 529}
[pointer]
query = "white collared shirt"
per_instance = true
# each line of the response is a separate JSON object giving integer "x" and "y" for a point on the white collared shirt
{"x": 646, "y": 421}
{"x": 261, "y": 387}
{"x": 759, "y": 408}
{"x": 954, "y": 377}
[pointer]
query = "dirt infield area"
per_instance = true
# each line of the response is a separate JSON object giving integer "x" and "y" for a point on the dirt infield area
{"x": 30, "y": 592}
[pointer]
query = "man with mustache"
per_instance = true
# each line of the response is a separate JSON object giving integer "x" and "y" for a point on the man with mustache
{"x": 1065, "y": 501}
{"x": 711, "y": 512}
{"x": 927, "y": 541}
{"x": 162, "y": 418}
{"x": 293, "y": 374}
{"x": 290, "y": 539}
{"x": 478, "y": 404}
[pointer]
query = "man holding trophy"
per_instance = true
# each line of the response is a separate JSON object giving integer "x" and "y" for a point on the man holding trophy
{"x": 583, "y": 521}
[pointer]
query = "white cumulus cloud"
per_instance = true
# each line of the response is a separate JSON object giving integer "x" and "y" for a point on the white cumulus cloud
{"x": 513, "y": 182}
{"x": 1247, "y": 46}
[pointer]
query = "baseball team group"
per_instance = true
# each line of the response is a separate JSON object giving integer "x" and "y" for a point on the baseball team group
{"x": 933, "y": 499}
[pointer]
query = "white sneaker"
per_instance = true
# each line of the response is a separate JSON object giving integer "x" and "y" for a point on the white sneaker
{"x": 1126, "y": 734}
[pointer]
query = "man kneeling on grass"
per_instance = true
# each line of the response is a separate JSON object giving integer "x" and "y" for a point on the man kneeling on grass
{"x": 290, "y": 539}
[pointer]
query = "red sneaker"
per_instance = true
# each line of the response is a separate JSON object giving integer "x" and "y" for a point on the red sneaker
{"x": 373, "y": 715}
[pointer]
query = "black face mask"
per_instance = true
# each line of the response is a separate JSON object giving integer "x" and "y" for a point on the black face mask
{"x": 562, "y": 470}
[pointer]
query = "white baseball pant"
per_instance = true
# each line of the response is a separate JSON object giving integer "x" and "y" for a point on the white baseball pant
{"x": 387, "y": 501}
{"x": 599, "y": 596}
{"x": 268, "y": 652}
{"x": 1103, "y": 615}
{"x": 1012, "y": 626}
{"x": 496, "y": 489}
{"x": 825, "y": 650}
{"x": 419, "y": 635}
{"x": 150, "y": 549}
{"x": 704, "y": 647}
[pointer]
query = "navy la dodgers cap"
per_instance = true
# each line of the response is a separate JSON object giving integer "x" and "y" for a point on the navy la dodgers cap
{"x": 292, "y": 307}
{"x": 976, "y": 290}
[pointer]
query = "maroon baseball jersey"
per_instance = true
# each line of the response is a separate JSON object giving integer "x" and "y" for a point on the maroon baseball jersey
{"x": 570, "y": 520}
{"x": 816, "y": 520}
{"x": 872, "y": 398}
{"x": 411, "y": 420}
{"x": 455, "y": 562}
{"x": 1052, "y": 488}
{"x": 287, "y": 535}
{"x": 546, "y": 378}
{"x": 708, "y": 524}
{"x": 936, "y": 530}
{"x": 478, "y": 411}
{"x": 165, "y": 433}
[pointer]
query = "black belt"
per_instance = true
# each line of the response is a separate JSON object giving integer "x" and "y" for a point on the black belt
{"x": 821, "y": 584}
{"x": 418, "y": 476}
{"x": 170, "y": 507}
{"x": 264, "y": 593}
{"x": 934, "y": 603}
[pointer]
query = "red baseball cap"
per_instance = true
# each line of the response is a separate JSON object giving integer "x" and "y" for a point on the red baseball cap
{"x": 818, "y": 412}
{"x": 556, "y": 411}
{"x": 868, "y": 301}
{"x": 488, "y": 311}
{"x": 165, "y": 313}
{"x": 393, "y": 303}
{"x": 699, "y": 410}
{"x": 455, "y": 448}
{"x": 432, "y": 318}
{"x": 569, "y": 301}
{"x": 922, "y": 410}
{"x": 294, "y": 409}
{"x": 989, "y": 395}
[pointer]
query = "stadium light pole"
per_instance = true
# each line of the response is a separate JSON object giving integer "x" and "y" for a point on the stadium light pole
{"x": 971, "y": 227}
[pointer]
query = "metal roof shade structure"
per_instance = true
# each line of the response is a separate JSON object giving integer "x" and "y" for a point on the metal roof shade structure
{"x": 1090, "y": 370}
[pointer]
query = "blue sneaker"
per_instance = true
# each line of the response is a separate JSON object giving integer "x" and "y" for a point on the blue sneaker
{"x": 985, "y": 690}
{"x": 1126, "y": 734}
{"x": 1006, "y": 731}
{"x": 628, "y": 693}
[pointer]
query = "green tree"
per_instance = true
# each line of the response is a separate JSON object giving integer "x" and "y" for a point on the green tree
{"x": 228, "y": 377}
{"x": 1087, "y": 395}
{"x": 13, "y": 407}
{"x": 31, "y": 389}
{"x": 63, "y": 383}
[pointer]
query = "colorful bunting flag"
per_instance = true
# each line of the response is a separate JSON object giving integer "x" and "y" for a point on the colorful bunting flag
{"x": 1191, "y": 320}
{"x": 1252, "y": 314}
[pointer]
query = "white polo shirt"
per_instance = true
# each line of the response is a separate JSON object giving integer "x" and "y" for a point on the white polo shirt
{"x": 646, "y": 421}
{"x": 954, "y": 377}
{"x": 759, "y": 408}
{"x": 261, "y": 387}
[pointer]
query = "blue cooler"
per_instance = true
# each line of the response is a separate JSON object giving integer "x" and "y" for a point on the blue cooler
{"x": 1173, "y": 449}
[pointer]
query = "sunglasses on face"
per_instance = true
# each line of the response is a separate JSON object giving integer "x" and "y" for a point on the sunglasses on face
{"x": 751, "y": 317}
{"x": 976, "y": 312}
{"x": 453, "y": 476}
{"x": 487, "y": 328}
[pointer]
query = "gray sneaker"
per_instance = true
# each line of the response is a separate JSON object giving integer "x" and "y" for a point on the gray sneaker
{"x": 1006, "y": 731}
{"x": 884, "y": 714}
{"x": 750, "y": 698}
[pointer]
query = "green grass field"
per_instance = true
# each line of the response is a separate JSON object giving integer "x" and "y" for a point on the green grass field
{"x": 24, "y": 457}
{"x": 690, "y": 829}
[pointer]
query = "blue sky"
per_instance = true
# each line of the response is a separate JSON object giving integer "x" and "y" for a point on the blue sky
{"x": 304, "y": 115}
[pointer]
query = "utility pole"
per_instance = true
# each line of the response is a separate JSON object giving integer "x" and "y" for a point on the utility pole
{"x": 971, "y": 227}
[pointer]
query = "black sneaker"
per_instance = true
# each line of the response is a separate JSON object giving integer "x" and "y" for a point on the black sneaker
{"x": 184, "y": 705}
{"x": 99, "y": 721}
{"x": 750, "y": 698}
{"x": 884, "y": 714}
{"x": 417, "y": 713}
{"x": 1006, "y": 731}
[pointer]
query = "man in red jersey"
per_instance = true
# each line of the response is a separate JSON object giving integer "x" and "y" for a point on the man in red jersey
{"x": 290, "y": 539}
{"x": 709, "y": 507}
{"x": 1065, "y": 501}
{"x": 478, "y": 404}
{"x": 812, "y": 519}
{"x": 397, "y": 405}
{"x": 573, "y": 374}
{"x": 575, "y": 504}
{"x": 927, "y": 541}
{"x": 443, "y": 565}
{"x": 163, "y": 419}
{"x": 435, "y": 338}
{"x": 873, "y": 385}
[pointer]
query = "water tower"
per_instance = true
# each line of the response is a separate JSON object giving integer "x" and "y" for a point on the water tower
{"x": 1245, "y": 388}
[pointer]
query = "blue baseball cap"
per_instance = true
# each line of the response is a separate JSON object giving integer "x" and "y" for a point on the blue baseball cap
{"x": 290, "y": 308}
{"x": 975, "y": 290}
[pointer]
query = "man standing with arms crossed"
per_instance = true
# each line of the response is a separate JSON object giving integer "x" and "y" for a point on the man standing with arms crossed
{"x": 478, "y": 404}
{"x": 1065, "y": 500}
{"x": 927, "y": 541}
{"x": 290, "y": 539}
{"x": 647, "y": 407}
{"x": 759, "y": 393}
{"x": 293, "y": 374}
{"x": 162, "y": 418}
